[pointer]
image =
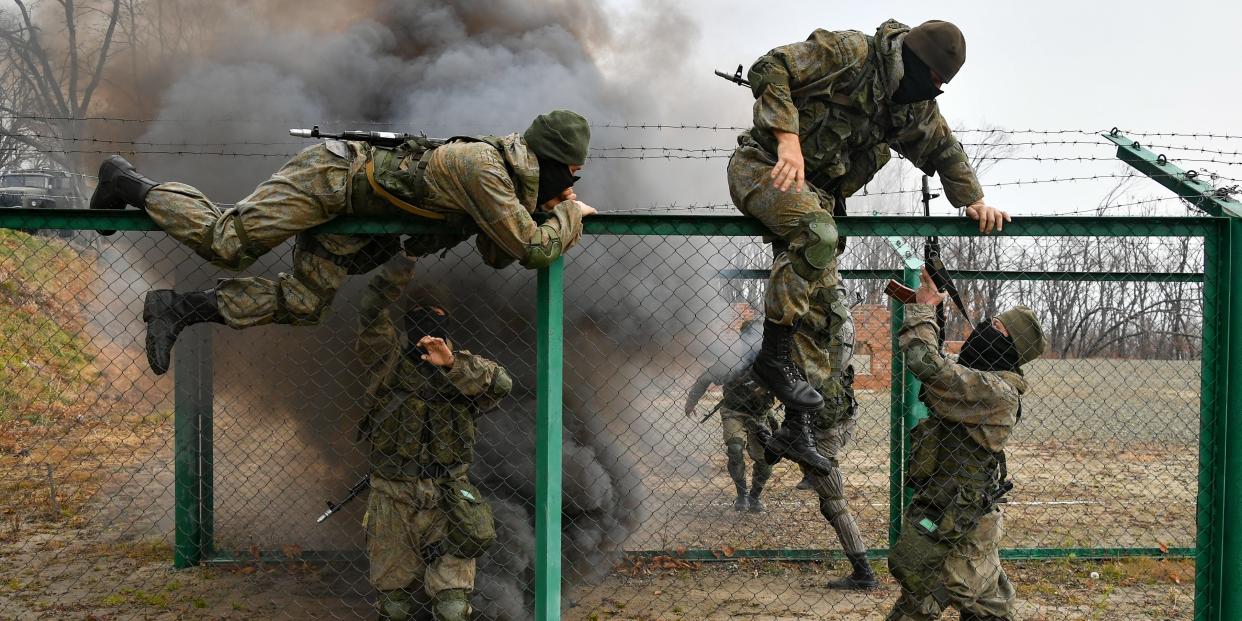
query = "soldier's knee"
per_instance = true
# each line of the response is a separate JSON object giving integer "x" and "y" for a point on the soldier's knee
{"x": 734, "y": 448}
{"x": 398, "y": 605}
{"x": 814, "y": 248}
{"x": 451, "y": 605}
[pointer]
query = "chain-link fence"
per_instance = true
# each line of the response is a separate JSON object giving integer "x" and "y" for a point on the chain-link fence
{"x": 111, "y": 473}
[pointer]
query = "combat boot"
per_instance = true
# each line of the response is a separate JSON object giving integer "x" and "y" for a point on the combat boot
{"x": 120, "y": 185}
{"x": 450, "y": 605}
{"x": 862, "y": 578}
{"x": 774, "y": 368}
{"x": 167, "y": 313}
{"x": 795, "y": 441}
{"x": 805, "y": 483}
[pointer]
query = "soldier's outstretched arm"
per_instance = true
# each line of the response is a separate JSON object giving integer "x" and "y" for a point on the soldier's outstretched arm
{"x": 479, "y": 378}
{"x": 377, "y": 345}
{"x": 697, "y": 391}
{"x": 928, "y": 142}
{"x": 494, "y": 206}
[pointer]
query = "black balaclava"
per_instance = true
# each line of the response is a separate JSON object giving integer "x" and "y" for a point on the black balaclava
{"x": 554, "y": 178}
{"x": 423, "y": 321}
{"x": 916, "y": 84}
{"x": 987, "y": 349}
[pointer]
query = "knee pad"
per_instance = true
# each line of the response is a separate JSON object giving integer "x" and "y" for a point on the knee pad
{"x": 450, "y": 605}
{"x": 396, "y": 605}
{"x": 734, "y": 448}
{"x": 301, "y": 303}
{"x": 815, "y": 247}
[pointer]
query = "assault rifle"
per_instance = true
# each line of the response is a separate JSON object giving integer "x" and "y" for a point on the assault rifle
{"x": 362, "y": 485}
{"x": 736, "y": 78}
{"x": 379, "y": 139}
{"x": 934, "y": 264}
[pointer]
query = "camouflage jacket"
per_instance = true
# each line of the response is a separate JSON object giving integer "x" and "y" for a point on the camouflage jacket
{"x": 833, "y": 91}
{"x": 985, "y": 403}
{"x": 482, "y": 381}
{"x": 495, "y": 187}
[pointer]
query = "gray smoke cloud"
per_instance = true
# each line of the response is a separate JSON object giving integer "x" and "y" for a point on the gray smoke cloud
{"x": 286, "y": 397}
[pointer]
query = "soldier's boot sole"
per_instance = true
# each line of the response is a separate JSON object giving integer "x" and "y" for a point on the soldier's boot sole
{"x": 854, "y": 583}
{"x": 167, "y": 313}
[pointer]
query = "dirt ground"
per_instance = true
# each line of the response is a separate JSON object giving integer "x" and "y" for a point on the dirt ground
{"x": 1105, "y": 456}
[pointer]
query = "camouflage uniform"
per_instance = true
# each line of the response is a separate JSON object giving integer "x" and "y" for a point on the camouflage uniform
{"x": 746, "y": 409}
{"x": 947, "y": 554}
{"x": 486, "y": 185}
{"x": 833, "y": 90}
{"x": 824, "y": 345}
{"x": 420, "y": 425}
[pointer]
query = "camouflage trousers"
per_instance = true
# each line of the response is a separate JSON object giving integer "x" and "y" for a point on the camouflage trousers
{"x": 743, "y": 428}
{"x": 404, "y": 521}
{"x": 309, "y": 190}
{"x": 969, "y": 577}
{"x": 789, "y": 295}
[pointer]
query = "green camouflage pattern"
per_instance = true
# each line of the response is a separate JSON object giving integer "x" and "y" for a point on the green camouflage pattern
{"x": 403, "y": 519}
{"x": 967, "y": 576}
{"x": 956, "y": 464}
{"x": 743, "y": 427}
{"x": 430, "y": 422}
{"x": 788, "y": 294}
{"x": 833, "y": 90}
{"x": 482, "y": 189}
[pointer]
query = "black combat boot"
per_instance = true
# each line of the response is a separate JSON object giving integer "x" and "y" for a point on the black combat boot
{"x": 775, "y": 369}
{"x": 795, "y": 441}
{"x": 759, "y": 477}
{"x": 862, "y": 578}
{"x": 120, "y": 185}
{"x": 805, "y": 483}
{"x": 167, "y": 313}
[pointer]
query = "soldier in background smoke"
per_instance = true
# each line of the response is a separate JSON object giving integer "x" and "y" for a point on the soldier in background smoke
{"x": 488, "y": 185}
{"x": 745, "y": 407}
{"x": 827, "y": 110}
{"x": 425, "y": 522}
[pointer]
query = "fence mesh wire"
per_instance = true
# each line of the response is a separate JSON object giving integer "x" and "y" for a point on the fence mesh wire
{"x": 1105, "y": 458}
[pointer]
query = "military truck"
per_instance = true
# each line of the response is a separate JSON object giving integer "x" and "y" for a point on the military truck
{"x": 38, "y": 189}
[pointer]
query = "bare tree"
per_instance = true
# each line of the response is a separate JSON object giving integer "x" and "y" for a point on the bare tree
{"x": 56, "y": 58}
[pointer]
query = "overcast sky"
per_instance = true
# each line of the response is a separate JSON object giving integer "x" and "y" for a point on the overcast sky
{"x": 1143, "y": 66}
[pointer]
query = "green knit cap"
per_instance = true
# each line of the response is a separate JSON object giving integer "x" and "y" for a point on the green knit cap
{"x": 560, "y": 135}
{"x": 1028, "y": 336}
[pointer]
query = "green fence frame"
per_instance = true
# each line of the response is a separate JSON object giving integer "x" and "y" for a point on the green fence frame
{"x": 1218, "y": 548}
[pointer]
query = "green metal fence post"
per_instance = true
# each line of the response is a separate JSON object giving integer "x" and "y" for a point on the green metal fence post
{"x": 1225, "y": 578}
{"x": 905, "y": 411}
{"x": 548, "y": 441}
{"x": 192, "y": 448}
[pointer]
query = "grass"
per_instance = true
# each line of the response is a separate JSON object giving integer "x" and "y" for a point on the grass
{"x": 45, "y": 359}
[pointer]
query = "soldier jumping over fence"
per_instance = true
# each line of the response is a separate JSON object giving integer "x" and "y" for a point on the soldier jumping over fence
{"x": 745, "y": 406}
{"x": 487, "y": 185}
{"x": 827, "y": 111}
{"x": 425, "y": 523}
{"x": 948, "y": 552}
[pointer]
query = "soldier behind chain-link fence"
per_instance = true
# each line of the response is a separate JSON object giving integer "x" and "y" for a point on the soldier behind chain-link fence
{"x": 425, "y": 522}
{"x": 745, "y": 408}
{"x": 948, "y": 551}
{"x": 827, "y": 111}
{"x": 485, "y": 185}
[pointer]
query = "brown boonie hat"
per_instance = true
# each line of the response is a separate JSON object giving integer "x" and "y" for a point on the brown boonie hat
{"x": 939, "y": 44}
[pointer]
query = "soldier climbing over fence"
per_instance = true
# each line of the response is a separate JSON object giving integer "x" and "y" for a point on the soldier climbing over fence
{"x": 488, "y": 185}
